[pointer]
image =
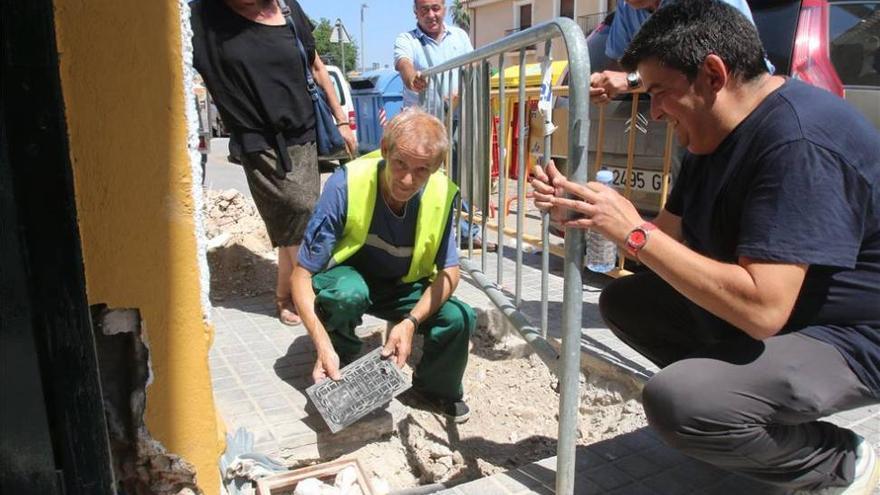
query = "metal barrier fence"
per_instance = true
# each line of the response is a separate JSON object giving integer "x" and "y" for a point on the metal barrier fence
{"x": 470, "y": 123}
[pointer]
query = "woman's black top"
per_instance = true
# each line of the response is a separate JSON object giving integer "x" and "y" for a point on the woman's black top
{"x": 255, "y": 74}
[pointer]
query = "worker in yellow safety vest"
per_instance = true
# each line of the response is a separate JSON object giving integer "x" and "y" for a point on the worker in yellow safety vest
{"x": 381, "y": 242}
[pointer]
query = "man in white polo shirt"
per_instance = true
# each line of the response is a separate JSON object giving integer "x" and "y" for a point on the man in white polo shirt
{"x": 433, "y": 42}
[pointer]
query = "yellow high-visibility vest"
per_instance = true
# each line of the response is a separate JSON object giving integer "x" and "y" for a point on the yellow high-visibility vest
{"x": 434, "y": 207}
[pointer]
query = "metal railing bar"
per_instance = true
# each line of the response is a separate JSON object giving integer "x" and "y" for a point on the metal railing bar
{"x": 473, "y": 135}
{"x": 572, "y": 301}
{"x": 520, "y": 173}
{"x": 559, "y": 27}
{"x": 462, "y": 145}
{"x": 502, "y": 168}
{"x": 527, "y": 331}
{"x": 487, "y": 120}
{"x": 448, "y": 120}
{"x": 545, "y": 216}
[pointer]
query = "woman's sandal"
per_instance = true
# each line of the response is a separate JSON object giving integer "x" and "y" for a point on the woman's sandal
{"x": 286, "y": 311}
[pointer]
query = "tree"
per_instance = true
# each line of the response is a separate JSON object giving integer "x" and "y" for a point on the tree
{"x": 331, "y": 53}
{"x": 460, "y": 15}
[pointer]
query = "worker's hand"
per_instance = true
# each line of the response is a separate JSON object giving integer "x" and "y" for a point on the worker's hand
{"x": 419, "y": 82}
{"x": 351, "y": 144}
{"x": 327, "y": 366}
{"x": 545, "y": 191}
{"x": 606, "y": 85}
{"x": 399, "y": 344}
{"x": 597, "y": 206}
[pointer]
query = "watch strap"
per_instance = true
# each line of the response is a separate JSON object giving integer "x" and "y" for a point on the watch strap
{"x": 413, "y": 319}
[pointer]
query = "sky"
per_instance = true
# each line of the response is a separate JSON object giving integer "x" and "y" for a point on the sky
{"x": 383, "y": 21}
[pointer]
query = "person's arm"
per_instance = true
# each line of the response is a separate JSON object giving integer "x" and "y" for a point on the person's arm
{"x": 669, "y": 223}
{"x": 327, "y": 362}
{"x": 325, "y": 226}
{"x": 754, "y": 296}
{"x": 609, "y": 83}
{"x": 322, "y": 78}
{"x": 399, "y": 343}
{"x": 403, "y": 63}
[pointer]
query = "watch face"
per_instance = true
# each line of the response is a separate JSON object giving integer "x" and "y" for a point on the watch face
{"x": 637, "y": 238}
{"x": 633, "y": 80}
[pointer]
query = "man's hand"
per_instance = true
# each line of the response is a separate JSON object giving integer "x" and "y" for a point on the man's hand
{"x": 598, "y": 206}
{"x": 351, "y": 144}
{"x": 606, "y": 85}
{"x": 418, "y": 82}
{"x": 399, "y": 342}
{"x": 545, "y": 192}
{"x": 327, "y": 366}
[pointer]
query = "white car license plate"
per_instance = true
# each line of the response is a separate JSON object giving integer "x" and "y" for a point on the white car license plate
{"x": 640, "y": 180}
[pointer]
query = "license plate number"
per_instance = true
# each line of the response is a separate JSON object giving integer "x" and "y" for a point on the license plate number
{"x": 639, "y": 180}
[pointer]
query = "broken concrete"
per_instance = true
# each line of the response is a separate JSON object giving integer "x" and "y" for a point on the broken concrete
{"x": 141, "y": 465}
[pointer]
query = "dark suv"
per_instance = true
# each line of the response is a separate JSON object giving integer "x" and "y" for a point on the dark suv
{"x": 831, "y": 44}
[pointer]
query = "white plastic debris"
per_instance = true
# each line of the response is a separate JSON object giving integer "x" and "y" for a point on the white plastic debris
{"x": 380, "y": 486}
{"x": 309, "y": 486}
{"x": 346, "y": 479}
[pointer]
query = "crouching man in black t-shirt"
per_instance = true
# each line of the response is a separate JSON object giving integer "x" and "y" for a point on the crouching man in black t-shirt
{"x": 763, "y": 304}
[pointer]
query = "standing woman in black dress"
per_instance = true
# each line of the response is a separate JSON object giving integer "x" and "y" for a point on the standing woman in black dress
{"x": 248, "y": 57}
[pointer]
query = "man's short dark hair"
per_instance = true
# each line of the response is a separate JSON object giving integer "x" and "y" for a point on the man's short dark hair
{"x": 682, "y": 34}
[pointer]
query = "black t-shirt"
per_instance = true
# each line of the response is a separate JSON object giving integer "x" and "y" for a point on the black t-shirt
{"x": 255, "y": 73}
{"x": 798, "y": 181}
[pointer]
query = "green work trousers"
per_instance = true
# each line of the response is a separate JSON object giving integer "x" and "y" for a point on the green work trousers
{"x": 343, "y": 296}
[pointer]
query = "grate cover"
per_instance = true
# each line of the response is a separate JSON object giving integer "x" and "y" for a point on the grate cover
{"x": 366, "y": 384}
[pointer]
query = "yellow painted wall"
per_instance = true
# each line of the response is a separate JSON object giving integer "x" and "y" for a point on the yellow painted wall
{"x": 122, "y": 80}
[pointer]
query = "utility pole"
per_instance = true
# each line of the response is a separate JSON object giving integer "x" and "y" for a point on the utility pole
{"x": 363, "y": 42}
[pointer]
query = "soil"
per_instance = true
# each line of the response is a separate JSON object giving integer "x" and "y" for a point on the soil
{"x": 240, "y": 256}
{"x": 512, "y": 394}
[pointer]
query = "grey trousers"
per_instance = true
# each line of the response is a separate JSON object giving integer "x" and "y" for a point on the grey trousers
{"x": 744, "y": 405}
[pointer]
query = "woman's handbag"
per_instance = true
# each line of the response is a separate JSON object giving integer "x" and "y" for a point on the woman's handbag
{"x": 327, "y": 135}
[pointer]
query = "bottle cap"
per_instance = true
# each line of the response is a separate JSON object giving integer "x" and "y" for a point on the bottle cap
{"x": 604, "y": 176}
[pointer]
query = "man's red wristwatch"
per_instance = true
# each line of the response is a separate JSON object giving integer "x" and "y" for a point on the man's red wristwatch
{"x": 637, "y": 238}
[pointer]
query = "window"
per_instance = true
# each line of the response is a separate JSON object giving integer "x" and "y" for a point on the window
{"x": 777, "y": 24}
{"x": 854, "y": 33}
{"x": 525, "y": 16}
{"x": 566, "y": 8}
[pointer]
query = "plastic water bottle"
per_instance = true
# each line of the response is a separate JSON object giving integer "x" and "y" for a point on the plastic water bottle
{"x": 601, "y": 253}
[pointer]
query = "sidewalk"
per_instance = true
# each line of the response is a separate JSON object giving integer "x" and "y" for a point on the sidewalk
{"x": 260, "y": 367}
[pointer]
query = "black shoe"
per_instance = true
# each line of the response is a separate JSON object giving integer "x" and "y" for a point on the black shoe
{"x": 455, "y": 410}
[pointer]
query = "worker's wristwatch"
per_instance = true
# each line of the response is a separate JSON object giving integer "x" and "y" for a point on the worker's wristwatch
{"x": 633, "y": 80}
{"x": 637, "y": 238}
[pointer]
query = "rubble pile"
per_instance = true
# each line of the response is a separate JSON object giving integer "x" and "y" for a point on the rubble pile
{"x": 240, "y": 256}
{"x": 514, "y": 418}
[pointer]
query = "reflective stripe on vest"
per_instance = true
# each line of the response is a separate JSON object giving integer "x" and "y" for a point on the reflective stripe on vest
{"x": 434, "y": 207}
